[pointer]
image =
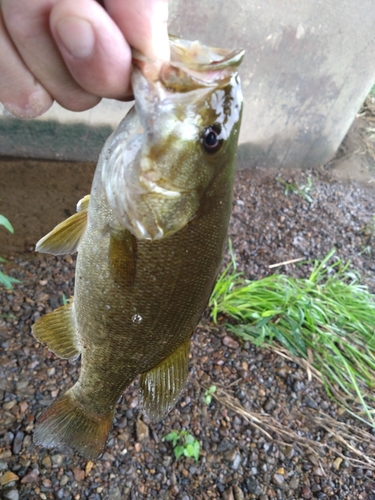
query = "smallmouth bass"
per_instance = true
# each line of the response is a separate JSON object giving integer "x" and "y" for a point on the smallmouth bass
{"x": 150, "y": 239}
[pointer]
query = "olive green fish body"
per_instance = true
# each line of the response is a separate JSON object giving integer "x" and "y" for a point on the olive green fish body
{"x": 150, "y": 239}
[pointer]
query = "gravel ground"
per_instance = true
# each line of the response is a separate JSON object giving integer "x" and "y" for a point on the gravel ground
{"x": 238, "y": 460}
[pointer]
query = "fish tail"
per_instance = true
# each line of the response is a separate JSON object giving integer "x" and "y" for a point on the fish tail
{"x": 68, "y": 423}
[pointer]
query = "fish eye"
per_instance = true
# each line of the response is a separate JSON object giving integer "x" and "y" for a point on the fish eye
{"x": 210, "y": 140}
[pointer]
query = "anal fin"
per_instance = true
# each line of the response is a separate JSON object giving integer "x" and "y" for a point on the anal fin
{"x": 160, "y": 387}
{"x": 65, "y": 237}
{"x": 58, "y": 331}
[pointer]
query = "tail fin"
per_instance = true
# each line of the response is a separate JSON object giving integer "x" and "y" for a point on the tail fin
{"x": 67, "y": 423}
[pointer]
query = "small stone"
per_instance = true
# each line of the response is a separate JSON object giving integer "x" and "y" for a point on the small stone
{"x": 228, "y": 494}
{"x": 17, "y": 442}
{"x": 142, "y": 430}
{"x": 47, "y": 483}
{"x": 289, "y": 452}
{"x": 8, "y": 477}
{"x": 294, "y": 483}
{"x": 269, "y": 404}
{"x": 79, "y": 474}
{"x": 64, "y": 480}
{"x": 137, "y": 447}
{"x": 230, "y": 342}
{"x": 317, "y": 471}
{"x": 252, "y": 484}
{"x": 306, "y": 492}
{"x": 9, "y": 405}
{"x": 31, "y": 477}
{"x": 236, "y": 462}
{"x": 238, "y": 493}
{"x": 337, "y": 463}
{"x": 47, "y": 462}
{"x": 23, "y": 406}
{"x": 57, "y": 459}
{"x": 21, "y": 385}
{"x": 11, "y": 495}
{"x": 89, "y": 467}
{"x": 278, "y": 479}
{"x": 311, "y": 403}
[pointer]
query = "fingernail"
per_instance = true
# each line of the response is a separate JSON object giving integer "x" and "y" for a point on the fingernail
{"x": 77, "y": 36}
{"x": 37, "y": 103}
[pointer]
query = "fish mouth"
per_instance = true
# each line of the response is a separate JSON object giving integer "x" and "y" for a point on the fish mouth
{"x": 192, "y": 65}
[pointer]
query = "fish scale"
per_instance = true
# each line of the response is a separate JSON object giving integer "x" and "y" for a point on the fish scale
{"x": 150, "y": 240}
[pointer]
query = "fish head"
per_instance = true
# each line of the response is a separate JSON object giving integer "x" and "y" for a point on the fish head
{"x": 188, "y": 113}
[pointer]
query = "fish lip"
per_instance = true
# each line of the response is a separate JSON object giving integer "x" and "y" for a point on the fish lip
{"x": 201, "y": 65}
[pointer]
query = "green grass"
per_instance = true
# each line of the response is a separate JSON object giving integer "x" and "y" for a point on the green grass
{"x": 327, "y": 319}
{"x": 6, "y": 280}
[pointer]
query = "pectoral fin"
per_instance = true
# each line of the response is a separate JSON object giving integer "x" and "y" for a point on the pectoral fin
{"x": 58, "y": 332}
{"x": 160, "y": 387}
{"x": 65, "y": 237}
{"x": 122, "y": 256}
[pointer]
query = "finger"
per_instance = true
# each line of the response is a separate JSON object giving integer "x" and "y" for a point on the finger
{"x": 20, "y": 93}
{"x": 144, "y": 25}
{"x": 93, "y": 47}
{"x": 28, "y": 26}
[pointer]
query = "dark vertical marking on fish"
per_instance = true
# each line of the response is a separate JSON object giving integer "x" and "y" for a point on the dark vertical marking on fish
{"x": 122, "y": 257}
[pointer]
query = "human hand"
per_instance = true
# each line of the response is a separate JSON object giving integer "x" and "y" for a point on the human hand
{"x": 74, "y": 51}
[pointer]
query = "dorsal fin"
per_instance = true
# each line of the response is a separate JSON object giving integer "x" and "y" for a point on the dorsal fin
{"x": 65, "y": 237}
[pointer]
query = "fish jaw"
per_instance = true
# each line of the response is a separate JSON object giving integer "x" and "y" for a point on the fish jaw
{"x": 155, "y": 179}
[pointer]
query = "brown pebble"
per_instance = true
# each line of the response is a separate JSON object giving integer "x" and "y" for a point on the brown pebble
{"x": 79, "y": 474}
{"x": 88, "y": 467}
{"x": 47, "y": 462}
{"x": 23, "y": 406}
{"x": 31, "y": 477}
{"x": 9, "y": 405}
{"x": 142, "y": 430}
{"x": 137, "y": 447}
{"x": 47, "y": 483}
{"x": 230, "y": 342}
{"x": 306, "y": 492}
{"x": 8, "y": 477}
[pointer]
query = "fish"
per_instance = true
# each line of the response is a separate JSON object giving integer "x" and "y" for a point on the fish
{"x": 150, "y": 239}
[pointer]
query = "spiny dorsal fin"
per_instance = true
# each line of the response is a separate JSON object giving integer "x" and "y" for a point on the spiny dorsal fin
{"x": 160, "y": 387}
{"x": 65, "y": 237}
{"x": 67, "y": 423}
{"x": 83, "y": 204}
{"x": 58, "y": 332}
{"x": 122, "y": 257}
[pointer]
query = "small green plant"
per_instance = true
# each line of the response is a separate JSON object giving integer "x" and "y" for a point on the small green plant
{"x": 302, "y": 190}
{"x": 64, "y": 299}
{"x": 184, "y": 443}
{"x": 328, "y": 319}
{"x": 6, "y": 280}
{"x": 208, "y": 394}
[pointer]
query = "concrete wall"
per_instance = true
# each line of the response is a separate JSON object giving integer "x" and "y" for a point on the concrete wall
{"x": 307, "y": 70}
